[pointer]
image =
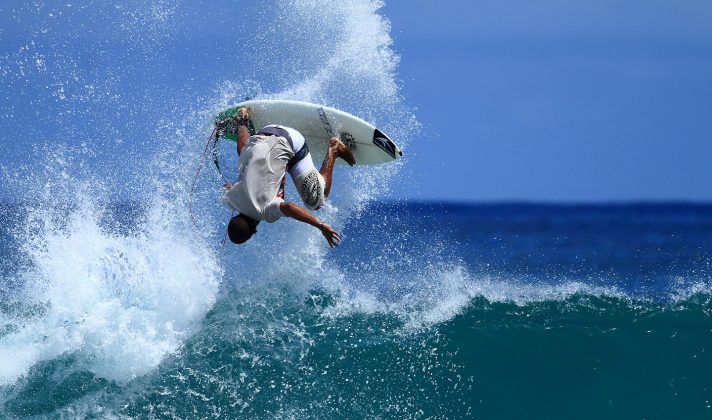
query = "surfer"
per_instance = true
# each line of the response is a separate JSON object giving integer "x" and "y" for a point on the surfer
{"x": 264, "y": 160}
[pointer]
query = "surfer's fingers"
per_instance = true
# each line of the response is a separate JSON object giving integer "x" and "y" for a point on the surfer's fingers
{"x": 334, "y": 239}
{"x": 328, "y": 235}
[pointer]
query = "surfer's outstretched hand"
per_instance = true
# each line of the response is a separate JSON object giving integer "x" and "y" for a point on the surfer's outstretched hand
{"x": 298, "y": 212}
{"x": 330, "y": 234}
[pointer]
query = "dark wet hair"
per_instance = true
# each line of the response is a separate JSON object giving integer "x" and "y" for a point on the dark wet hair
{"x": 241, "y": 228}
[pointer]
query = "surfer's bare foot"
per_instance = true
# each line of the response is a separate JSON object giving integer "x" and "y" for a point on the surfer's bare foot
{"x": 342, "y": 151}
{"x": 243, "y": 115}
{"x": 242, "y": 118}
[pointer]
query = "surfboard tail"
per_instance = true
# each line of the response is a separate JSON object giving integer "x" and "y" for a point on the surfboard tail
{"x": 382, "y": 141}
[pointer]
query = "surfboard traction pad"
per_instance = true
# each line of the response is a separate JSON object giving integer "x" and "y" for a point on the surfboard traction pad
{"x": 230, "y": 112}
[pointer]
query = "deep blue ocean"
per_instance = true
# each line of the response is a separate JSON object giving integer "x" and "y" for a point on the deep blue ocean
{"x": 427, "y": 310}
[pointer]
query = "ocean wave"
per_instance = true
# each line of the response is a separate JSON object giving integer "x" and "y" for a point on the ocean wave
{"x": 110, "y": 300}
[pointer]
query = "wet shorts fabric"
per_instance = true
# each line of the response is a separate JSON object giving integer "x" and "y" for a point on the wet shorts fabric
{"x": 311, "y": 188}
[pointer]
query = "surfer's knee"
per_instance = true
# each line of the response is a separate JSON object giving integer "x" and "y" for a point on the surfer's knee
{"x": 311, "y": 187}
{"x": 241, "y": 228}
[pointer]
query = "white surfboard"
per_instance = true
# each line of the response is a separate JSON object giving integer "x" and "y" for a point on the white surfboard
{"x": 318, "y": 123}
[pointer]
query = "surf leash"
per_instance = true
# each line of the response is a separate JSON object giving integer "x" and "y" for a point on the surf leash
{"x": 195, "y": 178}
{"x": 216, "y": 161}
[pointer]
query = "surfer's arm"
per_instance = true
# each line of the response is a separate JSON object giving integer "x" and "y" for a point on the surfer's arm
{"x": 295, "y": 211}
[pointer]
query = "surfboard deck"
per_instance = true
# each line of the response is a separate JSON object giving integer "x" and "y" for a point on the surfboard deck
{"x": 318, "y": 123}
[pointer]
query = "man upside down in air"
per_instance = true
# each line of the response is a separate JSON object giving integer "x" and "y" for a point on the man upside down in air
{"x": 264, "y": 160}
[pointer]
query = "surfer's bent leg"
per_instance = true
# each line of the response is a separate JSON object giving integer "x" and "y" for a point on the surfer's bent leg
{"x": 336, "y": 149}
{"x": 311, "y": 187}
{"x": 314, "y": 186}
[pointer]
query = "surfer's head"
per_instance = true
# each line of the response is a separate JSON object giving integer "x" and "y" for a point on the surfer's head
{"x": 241, "y": 228}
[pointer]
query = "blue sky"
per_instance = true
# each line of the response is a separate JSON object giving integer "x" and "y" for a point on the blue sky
{"x": 558, "y": 100}
{"x": 540, "y": 101}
